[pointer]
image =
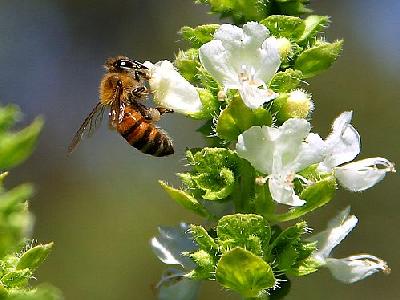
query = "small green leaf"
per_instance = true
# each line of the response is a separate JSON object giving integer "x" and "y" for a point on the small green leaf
{"x": 313, "y": 25}
{"x": 245, "y": 273}
{"x": 9, "y": 114}
{"x": 221, "y": 190}
{"x": 16, "y": 147}
{"x": 199, "y": 35}
{"x": 318, "y": 58}
{"x": 285, "y": 26}
{"x": 292, "y": 7}
{"x": 286, "y": 81}
{"x": 184, "y": 199}
{"x": 187, "y": 62}
{"x": 205, "y": 265}
{"x": 244, "y": 230}
{"x": 203, "y": 239}
{"x": 34, "y": 257}
{"x": 237, "y": 118}
{"x": 316, "y": 195}
{"x": 16, "y": 278}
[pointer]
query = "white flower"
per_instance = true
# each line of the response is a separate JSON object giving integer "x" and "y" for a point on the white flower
{"x": 349, "y": 269}
{"x": 171, "y": 90}
{"x": 280, "y": 153}
{"x": 243, "y": 59}
{"x": 343, "y": 145}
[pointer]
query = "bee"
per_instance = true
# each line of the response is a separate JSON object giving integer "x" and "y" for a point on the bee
{"x": 122, "y": 90}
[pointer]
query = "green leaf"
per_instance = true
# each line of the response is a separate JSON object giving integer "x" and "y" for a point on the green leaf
{"x": 16, "y": 278}
{"x": 286, "y": 81}
{"x": 316, "y": 195}
{"x": 203, "y": 239}
{"x": 245, "y": 273}
{"x": 199, "y": 35}
{"x": 9, "y": 114}
{"x": 15, "y": 219}
{"x": 34, "y": 257}
{"x": 244, "y": 230}
{"x": 16, "y": 147}
{"x": 237, "y": 118}
{"x": 292, "y": 7}
{"x": 318, "y": 58}
{"x": 285, "y": 26}
{"x": 184, "y": 199}
{"x": 42, "y": 292}
{"x": 313, "y": 25}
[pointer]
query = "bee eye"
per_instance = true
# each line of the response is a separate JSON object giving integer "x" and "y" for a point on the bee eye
{"x": 125, "y": 64}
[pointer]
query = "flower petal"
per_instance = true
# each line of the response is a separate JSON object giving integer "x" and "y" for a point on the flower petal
{"x": 343, "y": 144}
{"x": 171, "y": 90}
{"x": 355, "y": 268}
{"x": 170, "y": 244}
{"x": 255, "y": 97}
{"x": 217, "y": 61}
{"x": 363, "y": 174}
{"x": 235, "y": 50}
{"x": 338, "y": 228}
{"x": 256, "y": 146}
{"x": 283, "y": 192}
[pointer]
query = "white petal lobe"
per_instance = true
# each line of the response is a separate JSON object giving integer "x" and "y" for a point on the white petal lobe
{"x": 361, "y": 175}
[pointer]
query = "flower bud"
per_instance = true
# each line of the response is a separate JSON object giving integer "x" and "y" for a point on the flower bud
{"x": 296, "y": 104}
{"x": 284, "y": 47}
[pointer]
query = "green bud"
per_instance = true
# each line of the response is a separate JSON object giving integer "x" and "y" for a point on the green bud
{"x": 296, "y": 104}
{"x": 284, "y": 47}
{"x": 286, "y": 81}
{"x": 240, "y": 11}
{"x": 237, "y": 118}
{"x": 318, "y": 58}
{"x": 34, "y": 257}
{"x": 199, "y": 35}
{"x": 245, "y": 273}
{"x": 248, "y": 231}
{"x": 285, "y": 26}
{"x": 184, "y": 199}
{"x": 9, "y": 114}
{"x": 187, "y": 62}
{"x": 219, "y": 191}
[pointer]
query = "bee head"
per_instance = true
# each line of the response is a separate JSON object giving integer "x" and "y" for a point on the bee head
{"x": 123, "y": 64}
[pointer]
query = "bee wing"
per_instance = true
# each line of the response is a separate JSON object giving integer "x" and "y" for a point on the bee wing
{"x": 88, "y": 127}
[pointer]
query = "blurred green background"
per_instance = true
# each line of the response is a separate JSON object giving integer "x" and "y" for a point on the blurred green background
{"x": 103, "y": 204}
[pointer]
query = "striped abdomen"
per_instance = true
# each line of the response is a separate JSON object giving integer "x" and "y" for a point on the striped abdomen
{"x": 143, "y": 135}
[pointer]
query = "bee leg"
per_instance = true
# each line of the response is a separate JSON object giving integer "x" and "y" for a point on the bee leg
{"x": 163, "y": 110}
{"x": 139, "y": 92}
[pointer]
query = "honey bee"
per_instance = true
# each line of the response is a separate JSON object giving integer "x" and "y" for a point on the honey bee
{"x": 122, "y": 89}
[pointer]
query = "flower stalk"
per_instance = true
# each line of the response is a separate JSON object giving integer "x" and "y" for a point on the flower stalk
{"x": 264, "y": 165}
